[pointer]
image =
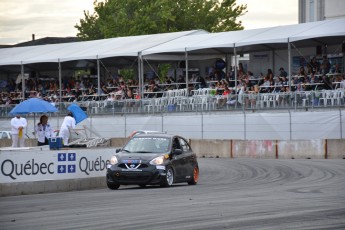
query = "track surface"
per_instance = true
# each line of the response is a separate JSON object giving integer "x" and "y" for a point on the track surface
{"x": 231, "y": 194}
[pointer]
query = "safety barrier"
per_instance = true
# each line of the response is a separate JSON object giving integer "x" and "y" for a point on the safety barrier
{"x": 34, "y": 170}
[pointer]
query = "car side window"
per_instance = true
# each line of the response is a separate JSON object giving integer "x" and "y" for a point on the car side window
{"x": 176, "y": 144}
{"x": 184, "y": 145}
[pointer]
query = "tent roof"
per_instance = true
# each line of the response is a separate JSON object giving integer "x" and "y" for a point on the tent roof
{"x": 321, "y": 32}
{"x": 195, "y": 42}
{"x": 113, "y": 47}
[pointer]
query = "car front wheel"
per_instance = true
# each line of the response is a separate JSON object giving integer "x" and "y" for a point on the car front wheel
{"x": 113, "y": 186}
{"x": 169, "y": 178}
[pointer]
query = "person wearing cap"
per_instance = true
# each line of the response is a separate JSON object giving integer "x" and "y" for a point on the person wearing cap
{"x": 44, "y": 131}
{"x": 282, "y": 73}
{"x": 18, "y": 125}
{"x": 68, "y": 123}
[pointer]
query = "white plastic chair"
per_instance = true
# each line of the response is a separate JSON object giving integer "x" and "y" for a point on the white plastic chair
{"x": 326, "y": 96}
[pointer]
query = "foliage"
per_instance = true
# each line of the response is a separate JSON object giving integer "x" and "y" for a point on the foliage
{"x": 118, "y": 18}
{"x": 163, "y": 70}
{"x": 127, "y": 74}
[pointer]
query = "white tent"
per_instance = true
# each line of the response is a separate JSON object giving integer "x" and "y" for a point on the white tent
{"x": 186, "y": 45}
{"x": 113, "y": 47}
{"x": 194, "y": 42}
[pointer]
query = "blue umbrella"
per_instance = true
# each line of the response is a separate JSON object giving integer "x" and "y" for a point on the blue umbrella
{"x": 33, "y": 105}
{"x": 78, "y": 114}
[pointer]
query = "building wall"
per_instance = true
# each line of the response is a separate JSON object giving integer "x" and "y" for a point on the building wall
{"x": 318, "y": 10}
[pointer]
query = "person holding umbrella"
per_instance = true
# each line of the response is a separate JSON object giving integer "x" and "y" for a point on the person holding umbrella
{"x": 68, "y": 123}
{"x": 18, "y": 125}
{"x": 44, "y": 131}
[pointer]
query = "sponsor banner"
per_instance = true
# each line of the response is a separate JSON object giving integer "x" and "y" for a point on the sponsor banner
{"x": 38, "y": 165}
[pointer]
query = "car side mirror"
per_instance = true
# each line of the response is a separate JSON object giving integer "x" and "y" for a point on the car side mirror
{"x": 117, "y": 150}
{"x": 177, "y": 152}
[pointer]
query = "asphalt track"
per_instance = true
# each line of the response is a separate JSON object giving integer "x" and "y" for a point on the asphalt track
{"x": 231, "y": 194}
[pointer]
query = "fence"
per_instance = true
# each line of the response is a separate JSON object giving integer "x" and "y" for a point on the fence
{"x": 236, "y": 125}
{"x": 207, "y": 100}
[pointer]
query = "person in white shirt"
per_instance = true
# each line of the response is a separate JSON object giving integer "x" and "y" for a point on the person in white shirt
{"x": 68, "y": 123}
{"x": 44, "y": 131}
{"x": 18, "y": 125}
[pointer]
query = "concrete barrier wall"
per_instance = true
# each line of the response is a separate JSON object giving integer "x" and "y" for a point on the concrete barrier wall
{"x": 307, "y": 149}
{"x": 52, "y": 186}
{"x": 270, "y": 149}
{"x": 8, "y": 143}
{"x": 211, "y": 148}
{"x": 320, "y": 149}
{"x": 335, "y": 149}
{"x": 254, "y": 149}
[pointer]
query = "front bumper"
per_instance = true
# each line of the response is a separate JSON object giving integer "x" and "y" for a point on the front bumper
{"x": 149, "y": 175}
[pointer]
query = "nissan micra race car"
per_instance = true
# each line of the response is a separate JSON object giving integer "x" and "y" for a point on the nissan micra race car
{"x": 153, "y": 159}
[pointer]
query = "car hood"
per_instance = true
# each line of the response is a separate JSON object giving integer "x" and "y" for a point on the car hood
{"x": 137, "y": 156}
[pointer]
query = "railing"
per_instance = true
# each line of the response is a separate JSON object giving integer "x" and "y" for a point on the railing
{"x": 205, "y": 100}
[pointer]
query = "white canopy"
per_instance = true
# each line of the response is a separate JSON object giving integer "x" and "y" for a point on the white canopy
{"x": 197, "y": 42}
{"x": 321, "y": 32}
{"x": 97, "y": 49}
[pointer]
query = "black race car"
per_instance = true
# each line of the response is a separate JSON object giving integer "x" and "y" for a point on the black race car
{"x": 153, "y": 159}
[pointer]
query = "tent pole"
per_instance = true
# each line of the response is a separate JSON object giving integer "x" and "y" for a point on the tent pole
{"x": 60, "y": 84}
{"x": 60, "y": 90}
{"x": 187, "y": 78}
{"x": 139, "y": 76}
{"x": 235, "y": 54}
{"x": 289, "y": 64}
{"x": 98, "y": 78}
{"x": 23, "y": 81}
{"x": 273, "y": 61}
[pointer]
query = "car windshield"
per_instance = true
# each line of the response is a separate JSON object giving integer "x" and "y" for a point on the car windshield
{"x": 147, "y": 145}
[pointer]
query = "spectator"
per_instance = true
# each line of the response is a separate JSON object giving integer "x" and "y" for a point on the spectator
{"x": 241, "y": 71}
{"x": 313, "y": 66}
{"x": 302, "y": 74}
{"x": 326, "y": 83}
{"x": 181, "y": 82}
{"x": 153, "y": 88}
{"x": 278, "y": 84}
{"x": 285, "y": 81}
{"x": 265, "y": 87}
{"x": 325, "y": 65}
{"x": 282, "y": 72}
{"x": 224, "y": 98}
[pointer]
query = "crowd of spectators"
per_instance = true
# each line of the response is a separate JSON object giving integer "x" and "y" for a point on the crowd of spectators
{"x": 315, "y": 76}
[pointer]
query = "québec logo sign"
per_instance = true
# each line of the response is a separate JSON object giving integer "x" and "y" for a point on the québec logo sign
{"x": 66, "y": 163}
{"x": 58, "y": 166}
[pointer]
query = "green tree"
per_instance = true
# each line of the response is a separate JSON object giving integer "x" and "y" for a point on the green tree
{"x": 118, "y": 18}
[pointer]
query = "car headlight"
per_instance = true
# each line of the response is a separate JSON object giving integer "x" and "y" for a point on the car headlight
{"x": 113, "y": 160}
{"x": 157, "y": 161}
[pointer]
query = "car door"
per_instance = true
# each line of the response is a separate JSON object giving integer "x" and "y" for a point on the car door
{"x": 177, "y": 159}
{"x": 187, "y": 159}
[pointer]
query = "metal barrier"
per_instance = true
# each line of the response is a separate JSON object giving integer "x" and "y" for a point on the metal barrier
{"x": 206, "y": 100}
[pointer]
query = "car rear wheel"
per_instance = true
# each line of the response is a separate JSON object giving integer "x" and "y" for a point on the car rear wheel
{"x": 169, "y": 178}
{"x": 113, "y": 186}
{"x": 195, "y": 176}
